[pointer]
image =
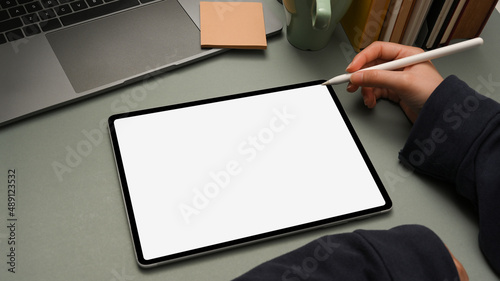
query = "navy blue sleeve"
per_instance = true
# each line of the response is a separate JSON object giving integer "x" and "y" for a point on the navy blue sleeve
{"x": 408, "y": 252}
{"x": 457, "y": 138}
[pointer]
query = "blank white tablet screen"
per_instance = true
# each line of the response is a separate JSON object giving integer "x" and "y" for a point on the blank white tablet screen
{"x": 216, "y": 172}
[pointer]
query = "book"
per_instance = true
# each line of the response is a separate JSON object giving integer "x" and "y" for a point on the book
{"x": 390, "y": 20}
{"x": 446, "y": 24}
{"x": 453, "y": 21}
{"x": 402, "y": 20}
{"x": 363, "y": 22}
{"x": 472, "y": 19}
{"x": 416, "y": 21}
{"x": 429, "y": 22}
{"x": 442, "y": 19}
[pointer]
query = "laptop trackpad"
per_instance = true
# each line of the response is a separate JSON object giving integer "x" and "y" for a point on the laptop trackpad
{"x": 125, "y": 45}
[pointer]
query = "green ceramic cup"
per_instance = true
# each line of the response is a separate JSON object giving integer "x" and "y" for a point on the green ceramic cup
{"x": 310, "y": 23}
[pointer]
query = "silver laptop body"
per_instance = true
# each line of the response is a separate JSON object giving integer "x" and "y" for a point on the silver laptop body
{"x": 66, "y": 64}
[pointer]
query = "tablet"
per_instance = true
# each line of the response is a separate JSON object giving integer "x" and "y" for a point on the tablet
{"x": 208, "y": 175}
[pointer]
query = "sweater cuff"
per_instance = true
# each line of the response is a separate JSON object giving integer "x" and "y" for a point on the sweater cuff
{"x": 450, "y": 121}
{"x": 408, "y": 252}
{"x": 412, "y": 252}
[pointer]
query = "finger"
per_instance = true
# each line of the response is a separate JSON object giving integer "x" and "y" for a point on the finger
{"x": 378, "y": 52}
{"x": 393, "y": 80}
{"x": 370, "y": 100}
{"x": 381, "y": 52}
{"x": 462, "y": 273}
{"x": 352, "y": 88}
{"x": 369, "y": 96}
{"x": 384, "y": 93}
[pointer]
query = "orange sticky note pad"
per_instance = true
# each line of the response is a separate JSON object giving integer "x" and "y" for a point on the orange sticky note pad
{"x": 238, "y": 25}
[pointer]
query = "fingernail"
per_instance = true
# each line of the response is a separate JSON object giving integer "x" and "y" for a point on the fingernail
{"x": 348, "y": 66}
{"x": 350, "y": 87}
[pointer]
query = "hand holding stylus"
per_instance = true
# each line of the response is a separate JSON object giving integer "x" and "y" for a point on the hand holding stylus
{"x": 414, "y": 59}
{"x": 410, "y": 87}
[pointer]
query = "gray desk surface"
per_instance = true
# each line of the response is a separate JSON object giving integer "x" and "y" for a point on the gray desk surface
{"x": 73, "y": 226}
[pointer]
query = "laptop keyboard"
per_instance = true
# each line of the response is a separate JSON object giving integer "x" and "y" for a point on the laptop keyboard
{"x": 23, "y": 18}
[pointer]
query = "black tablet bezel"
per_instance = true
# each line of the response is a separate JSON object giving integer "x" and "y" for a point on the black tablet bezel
{"x": 255, "y": 238}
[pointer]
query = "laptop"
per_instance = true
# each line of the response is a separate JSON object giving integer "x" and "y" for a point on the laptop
{"x": 53, "y": 52}
{"x": 210, "y": 175}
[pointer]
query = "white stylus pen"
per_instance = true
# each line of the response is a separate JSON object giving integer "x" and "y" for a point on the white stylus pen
{"x": 418, "y": 58}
